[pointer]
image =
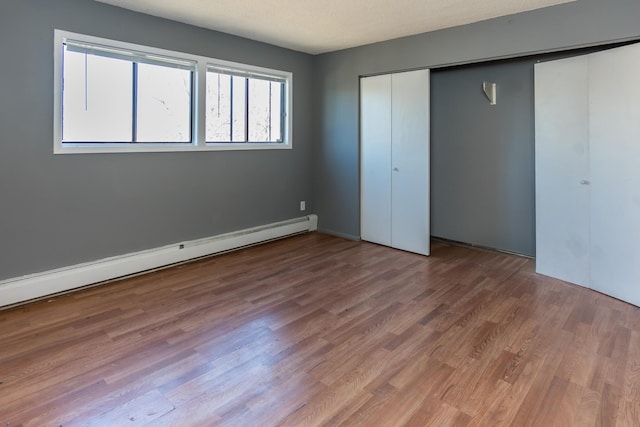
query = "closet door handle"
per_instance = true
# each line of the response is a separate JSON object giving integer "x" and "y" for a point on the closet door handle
{"x": 585, "y": 182}
{"x": 396, "y": 169}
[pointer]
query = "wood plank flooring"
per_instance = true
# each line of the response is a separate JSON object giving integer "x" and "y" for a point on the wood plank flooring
{"x": 318, "y": 330}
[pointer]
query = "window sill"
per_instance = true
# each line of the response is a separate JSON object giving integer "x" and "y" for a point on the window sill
{"x": 89, "y": 148}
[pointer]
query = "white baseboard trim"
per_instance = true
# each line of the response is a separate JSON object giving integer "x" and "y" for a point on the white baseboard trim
{"x": 38, "y": 285}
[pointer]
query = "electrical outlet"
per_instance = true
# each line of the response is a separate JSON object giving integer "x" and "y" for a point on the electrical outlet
{"x": 303, "y": 205}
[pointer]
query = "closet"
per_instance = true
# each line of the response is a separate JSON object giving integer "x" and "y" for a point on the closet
{"x": 394, "y": 160}
{"x": 587, "y": 158}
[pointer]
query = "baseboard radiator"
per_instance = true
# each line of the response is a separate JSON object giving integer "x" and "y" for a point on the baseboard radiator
{"x": 34, "y": 286}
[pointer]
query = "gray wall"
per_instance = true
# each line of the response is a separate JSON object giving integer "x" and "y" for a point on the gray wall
{"x": 482, "y": 156}
{"x": 336, "y": 177}
{"x": 61, "y": 210}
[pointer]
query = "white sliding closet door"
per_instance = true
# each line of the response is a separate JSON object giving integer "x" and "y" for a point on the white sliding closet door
{"x": 588, "y": 171}
{"x": 375, "y": 159}
{"x": 615, "y": 172}
{"x": 394, "y": 131}
{"x": 410, "y": 161}
{"x": 563, "y": 248}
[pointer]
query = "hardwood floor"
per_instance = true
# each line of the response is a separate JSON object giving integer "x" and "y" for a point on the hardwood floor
{"x": 317, "y": 330}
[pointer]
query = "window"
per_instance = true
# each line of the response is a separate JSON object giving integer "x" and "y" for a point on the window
{"x": 112, "y": 96}
{"x": 243, "y": 108}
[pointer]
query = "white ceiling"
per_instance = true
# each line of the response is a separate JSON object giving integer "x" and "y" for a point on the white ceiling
{"x": 319, "y": 26}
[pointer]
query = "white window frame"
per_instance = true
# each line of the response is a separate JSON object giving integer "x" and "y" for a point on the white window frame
{"x": 198, "y": 124}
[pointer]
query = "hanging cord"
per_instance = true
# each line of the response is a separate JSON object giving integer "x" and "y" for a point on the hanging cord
{"x": 86, "y": 83}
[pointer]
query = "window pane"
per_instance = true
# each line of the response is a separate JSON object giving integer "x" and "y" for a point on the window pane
{"x": 226, "y": 111}
{"x": 277, "y": 91}
{"x": 264, "y": 110}
{"x": 239, "y": 109}
{"x": 164, "y": 104}
{"x": 259, "y": 106}
{"x": 218, "y": 106}
{"x": 243, "y": 109}
{"x": 97, "y": 99}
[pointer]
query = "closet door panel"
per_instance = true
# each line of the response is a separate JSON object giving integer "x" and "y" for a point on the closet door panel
{"x": 562, "y": 169}
{"x": 615, "y": 170}
{"x": 410, "y": 161}
{"x": 375, "y": 159}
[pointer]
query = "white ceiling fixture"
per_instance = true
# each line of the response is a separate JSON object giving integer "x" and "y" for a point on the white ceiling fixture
{"x": 327, "y": 25}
